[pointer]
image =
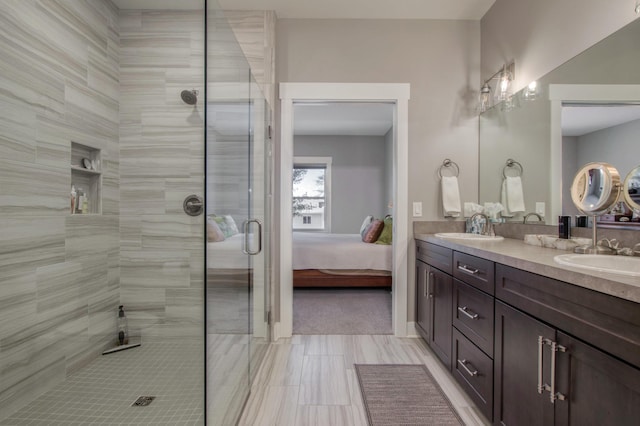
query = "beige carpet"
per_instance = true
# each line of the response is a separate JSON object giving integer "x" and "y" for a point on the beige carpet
{"x": 342, "y": 311}
{"x": 396, "y": 394}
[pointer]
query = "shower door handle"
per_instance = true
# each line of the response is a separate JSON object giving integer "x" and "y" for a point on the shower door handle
{"x": 245, "y": 249}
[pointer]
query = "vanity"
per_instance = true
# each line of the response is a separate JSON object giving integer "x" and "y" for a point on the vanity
{"x": 530, "y": 341}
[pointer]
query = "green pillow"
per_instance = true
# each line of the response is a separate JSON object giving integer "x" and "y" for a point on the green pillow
{"x": 387, "y": 232}
{"x": 227, "y": 230}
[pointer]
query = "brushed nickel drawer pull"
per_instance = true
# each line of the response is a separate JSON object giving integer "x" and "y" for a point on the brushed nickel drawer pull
{"x": 429, "y": 292}
{"x": 468, "y": 313}
{"x": 463, "y": 363}
{"x": 465, "y": 268}
{"x": 541, "y": 342}
{"x": 552, "y": 392}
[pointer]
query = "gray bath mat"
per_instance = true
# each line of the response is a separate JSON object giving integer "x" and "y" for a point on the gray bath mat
{"x": 397, "y": 394}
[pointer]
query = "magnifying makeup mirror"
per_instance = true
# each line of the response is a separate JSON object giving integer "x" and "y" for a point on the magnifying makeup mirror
{"x": 595, "y": 190}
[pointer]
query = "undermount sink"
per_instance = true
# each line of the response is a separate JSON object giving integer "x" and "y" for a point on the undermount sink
{"x": 620, "y": 265}
{"x": 468, "y": 237}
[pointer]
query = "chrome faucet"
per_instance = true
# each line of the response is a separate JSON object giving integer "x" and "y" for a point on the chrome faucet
{"x": 540, "y": 218}
{"x": 487, "y": 228}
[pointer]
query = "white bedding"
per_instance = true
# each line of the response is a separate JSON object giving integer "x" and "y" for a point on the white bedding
{"x": 227, "y": 254}
{"x": 338, "y": 251}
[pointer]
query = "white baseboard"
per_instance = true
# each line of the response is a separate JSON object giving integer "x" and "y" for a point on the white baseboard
{"x": 411, "y": 329}
{"x": 278, "y": 332}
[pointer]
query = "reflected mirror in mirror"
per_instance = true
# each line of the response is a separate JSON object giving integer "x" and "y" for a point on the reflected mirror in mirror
{"x": 595, "y": 188}
{"x": 631, "y": 192}
{"x": 534, "y": 130}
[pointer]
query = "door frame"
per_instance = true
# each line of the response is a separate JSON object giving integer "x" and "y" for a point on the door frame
{"x": 396, "y": 93}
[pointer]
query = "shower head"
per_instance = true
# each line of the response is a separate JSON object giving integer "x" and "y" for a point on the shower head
{"x": 190, "y": 97}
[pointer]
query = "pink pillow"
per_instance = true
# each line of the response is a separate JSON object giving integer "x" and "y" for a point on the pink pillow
{"x": 214, "y": 233}
{"x": 373, "y": 231}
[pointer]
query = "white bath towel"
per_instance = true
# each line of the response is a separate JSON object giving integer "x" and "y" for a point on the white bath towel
{"x": 450, "y": 196}
{"x": 504, "y": 201}
{"x": 515, "y": 196}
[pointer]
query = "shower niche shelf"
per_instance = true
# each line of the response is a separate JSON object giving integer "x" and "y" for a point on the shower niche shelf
{"x": 86, "y": 176}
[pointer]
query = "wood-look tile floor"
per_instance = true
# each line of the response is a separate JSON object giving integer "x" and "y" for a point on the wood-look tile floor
{"x": 310, "y": 380}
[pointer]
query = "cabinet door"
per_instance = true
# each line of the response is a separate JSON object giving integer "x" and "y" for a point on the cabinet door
{"x": 517, "y": 401}
{"x": 598, "y": 388}
{"x": 423, "y": 307}
{"x": 440, "y": 293}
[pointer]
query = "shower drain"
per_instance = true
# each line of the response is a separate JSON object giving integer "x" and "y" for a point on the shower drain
{"x": 143, "y": 401}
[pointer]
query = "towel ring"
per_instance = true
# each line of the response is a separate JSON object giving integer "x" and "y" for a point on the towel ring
{"x": 514, "y": 164}
{"x": 449, "y": 163}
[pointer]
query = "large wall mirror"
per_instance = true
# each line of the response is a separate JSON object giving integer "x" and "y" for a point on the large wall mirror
{"x": 586, "y": 110}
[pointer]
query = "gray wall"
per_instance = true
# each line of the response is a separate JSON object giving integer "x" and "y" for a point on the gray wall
{"x": 357, "y": 176}
{"x": 617, "y": 145}
{"x": 162, "y": 150}
{"x": 59, "y": 274}
{"x": 543, "y": 34}
{"x": 570, "y": 166}
{"x": 441, "y": 61}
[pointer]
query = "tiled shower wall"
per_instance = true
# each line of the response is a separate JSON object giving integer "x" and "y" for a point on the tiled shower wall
{"x": 59, "y": 274}
{"x": 162, "y": 151}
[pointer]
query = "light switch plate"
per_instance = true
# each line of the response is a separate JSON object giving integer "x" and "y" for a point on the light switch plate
{"x": 417, "y": 209}
{"x": 540, "y": 208}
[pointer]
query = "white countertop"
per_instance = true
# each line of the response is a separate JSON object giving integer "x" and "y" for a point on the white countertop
{"x": 539, "y": 260}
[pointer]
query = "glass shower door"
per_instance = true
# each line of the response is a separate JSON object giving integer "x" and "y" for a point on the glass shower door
{"x": 237, "y": 255}
{"x": 257, "y": 226}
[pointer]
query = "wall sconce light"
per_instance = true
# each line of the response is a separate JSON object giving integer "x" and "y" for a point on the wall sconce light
{"x": 531, "y": 91}
{"x": 503, "y": 90}
{"x": 485, "y": 97}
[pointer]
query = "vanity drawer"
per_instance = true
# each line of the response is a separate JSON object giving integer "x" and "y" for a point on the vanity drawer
{"x": 473, "y": 369}
{"x": 473, "y": 315}
{"x": 474, "y": 271}
{"x": 436, "y": 256}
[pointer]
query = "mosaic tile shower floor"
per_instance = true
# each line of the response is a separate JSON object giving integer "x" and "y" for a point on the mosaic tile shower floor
{"x": 102, "y": 392}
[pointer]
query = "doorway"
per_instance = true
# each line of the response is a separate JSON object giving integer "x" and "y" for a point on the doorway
{"x": 398, "y": 95}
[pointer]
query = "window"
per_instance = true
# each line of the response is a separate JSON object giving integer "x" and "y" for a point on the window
{"x": 311, "y": 193}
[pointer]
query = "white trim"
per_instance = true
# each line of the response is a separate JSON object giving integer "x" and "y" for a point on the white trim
{"x": 559, "y": 93}
{"x": 398, "y": 93}
{"x": 327, "y": 161}
{"x": 412, "y": 331}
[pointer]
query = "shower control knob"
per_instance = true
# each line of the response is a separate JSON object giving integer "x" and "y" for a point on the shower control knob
{"x": 193, "y": 205}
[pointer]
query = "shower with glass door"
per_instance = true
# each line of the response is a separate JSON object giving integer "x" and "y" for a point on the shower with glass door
{"x": 134, "y": 172}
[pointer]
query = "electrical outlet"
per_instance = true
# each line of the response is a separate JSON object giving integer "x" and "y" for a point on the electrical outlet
{"x": 540, "y": 208}
{"x": 417, "y": 209}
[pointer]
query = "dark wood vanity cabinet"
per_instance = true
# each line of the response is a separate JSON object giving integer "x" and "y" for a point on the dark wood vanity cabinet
{"x": 434, "y": 289}
{"x": 545, "y": 376}
{"x": 513, "y": 339}
{"x": 443, "y": 301}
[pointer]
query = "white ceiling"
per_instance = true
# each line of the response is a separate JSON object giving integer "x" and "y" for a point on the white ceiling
{"x": 336, "y": 9}
{"x": 342, "y": 118}
{"x": 580, "y": 120}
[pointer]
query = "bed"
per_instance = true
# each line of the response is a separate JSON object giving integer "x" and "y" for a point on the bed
{"x": 227, "y": 265}
{"x": 339, "y": 260}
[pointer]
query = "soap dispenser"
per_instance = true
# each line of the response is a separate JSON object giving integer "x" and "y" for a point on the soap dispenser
{"x": 564, "y": 227}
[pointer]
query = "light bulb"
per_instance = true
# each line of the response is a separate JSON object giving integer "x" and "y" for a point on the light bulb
{"x": 504, "y": 84}
{"x": 485, "y": 96}
{"x": 531, "y": 91}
